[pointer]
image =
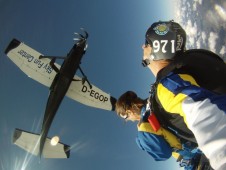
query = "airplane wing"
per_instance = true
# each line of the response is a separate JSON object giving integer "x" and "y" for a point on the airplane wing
{"x": 93, "y": 97}
{"x": 30, "y": 142}
{"x": 27, "y": 59}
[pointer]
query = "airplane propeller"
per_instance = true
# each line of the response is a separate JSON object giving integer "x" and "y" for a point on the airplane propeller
{"x": 80, "y": 36}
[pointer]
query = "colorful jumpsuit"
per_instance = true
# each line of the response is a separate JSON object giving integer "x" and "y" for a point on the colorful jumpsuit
{"x": 162, "y": 144}
{"x": 203, "y": 111}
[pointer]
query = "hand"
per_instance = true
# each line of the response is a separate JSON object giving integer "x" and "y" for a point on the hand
{"x": 146, "y": 51}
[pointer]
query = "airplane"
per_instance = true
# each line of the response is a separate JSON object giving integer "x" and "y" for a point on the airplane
{"x": 61, "y": 81}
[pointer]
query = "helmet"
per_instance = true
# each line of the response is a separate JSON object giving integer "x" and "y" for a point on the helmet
{"x": 166, "y": 39}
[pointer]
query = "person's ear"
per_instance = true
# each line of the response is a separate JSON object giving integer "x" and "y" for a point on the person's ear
{"x": 129, "y": 111}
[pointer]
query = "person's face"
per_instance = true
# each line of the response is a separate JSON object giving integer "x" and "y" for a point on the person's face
{"x": 147, "y": 50}
{"x": 130, "y": 116}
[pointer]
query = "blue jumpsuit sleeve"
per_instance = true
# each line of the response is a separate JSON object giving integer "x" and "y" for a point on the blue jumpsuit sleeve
{"x": 154, "y": 145}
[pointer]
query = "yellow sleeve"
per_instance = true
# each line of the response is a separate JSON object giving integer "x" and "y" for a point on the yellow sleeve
{"x": 173, "y": 141}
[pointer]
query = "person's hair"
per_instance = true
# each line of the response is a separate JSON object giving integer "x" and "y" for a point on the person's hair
{"x": 128, "y": 101}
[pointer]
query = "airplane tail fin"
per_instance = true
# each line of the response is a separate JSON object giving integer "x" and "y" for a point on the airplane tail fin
{"x": 30, "y": 142}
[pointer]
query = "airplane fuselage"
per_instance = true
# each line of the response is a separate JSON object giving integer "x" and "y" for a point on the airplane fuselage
{"x": 59, "y": 80}
{"x": 60, "y": 87}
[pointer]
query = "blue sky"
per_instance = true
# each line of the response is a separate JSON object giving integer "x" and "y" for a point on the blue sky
{"x": 100, "y": 139}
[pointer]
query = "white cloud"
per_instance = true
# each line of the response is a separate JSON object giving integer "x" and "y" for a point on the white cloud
{"x": 194, "y": 6}
{"x": 188, "y": 5}
{"x": 202, "y": 28}
{"x": 203, "y": 35}
{"x": 216, "y": 17}
{"x": 211, "y": 17}
{"x": 212, "y": 41}
{"x": 198, "y": 43}
{"x": 180, "y": 11}
{"x": 191, "y": 30}
{"x": 223, "y": 50}
{"x": 198, "y": 1}
{"x": 191, "y": 41}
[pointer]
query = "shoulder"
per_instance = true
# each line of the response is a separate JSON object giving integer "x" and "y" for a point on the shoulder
{"x": 147, "y": 134}
{"x": 175, "y": 82}
{"x": 178, "y": 79}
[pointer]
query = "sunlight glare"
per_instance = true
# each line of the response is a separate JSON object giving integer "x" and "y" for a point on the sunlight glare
{"x": 221, "y": 12}
{"x": 54, "y": 141}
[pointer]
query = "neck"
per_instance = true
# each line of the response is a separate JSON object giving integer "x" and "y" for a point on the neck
{"x": 156, "y": 66}
{"x": 137, "y": 109}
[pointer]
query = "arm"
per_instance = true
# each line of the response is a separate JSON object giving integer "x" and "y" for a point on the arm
{"x": 154, "y": 145}
{"x": 203, "y": 112}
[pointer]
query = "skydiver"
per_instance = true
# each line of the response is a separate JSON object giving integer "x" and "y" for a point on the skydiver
{"x": 185, "y": 113}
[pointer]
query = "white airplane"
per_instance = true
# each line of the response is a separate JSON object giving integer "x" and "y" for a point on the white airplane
{"x": 61, "y": 81}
